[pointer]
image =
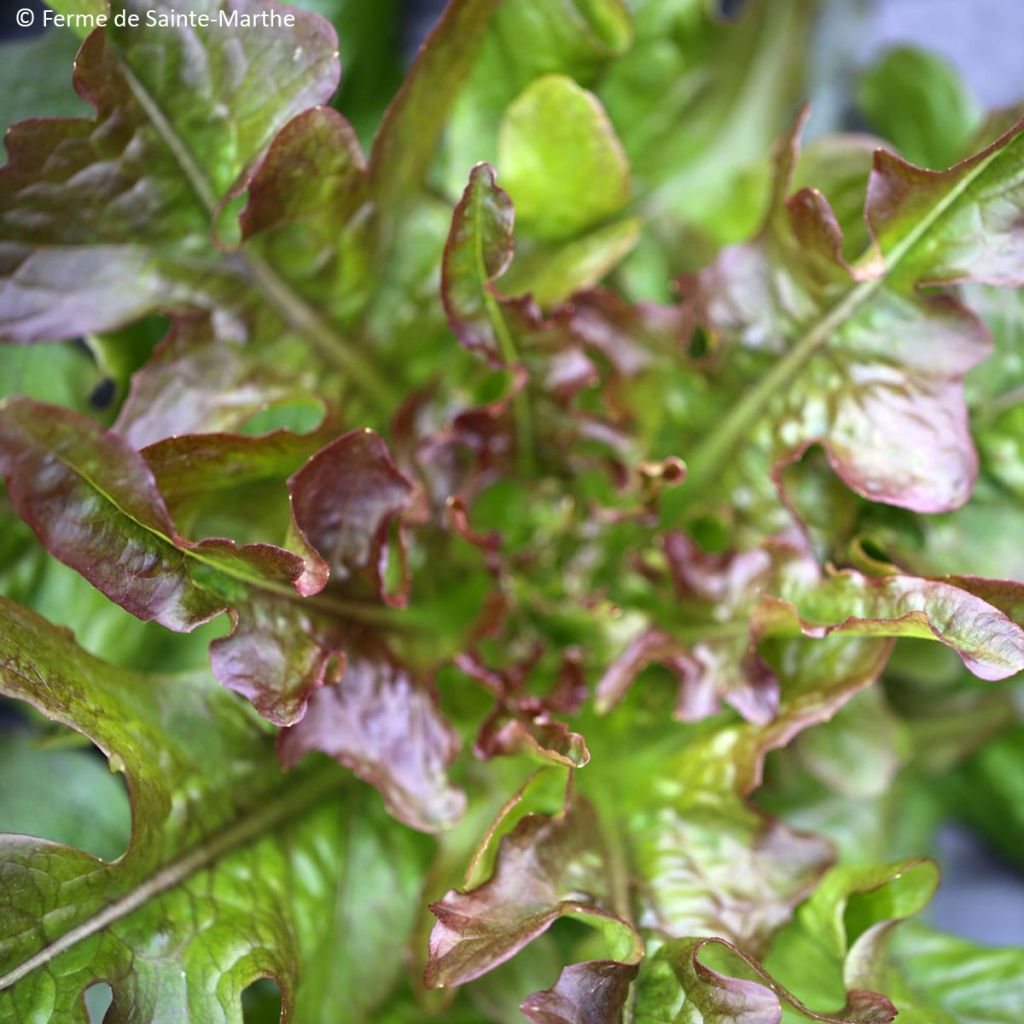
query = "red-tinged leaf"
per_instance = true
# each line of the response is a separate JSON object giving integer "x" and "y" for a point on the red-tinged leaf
{"x": 551, "y": 369}
{"x": 313, "y": 175}
{"x": 521, "y": 722}
{"x": 455, "y": 457}
{"x": 714, "y": 997}
{"x": 570, "y": 690}
{"x": 381, "y": 722}
{"x": 277, "y": 655}
{"x": 1006, "y": 595}
{"x": 478, "y": 251}
{"x": 201, "y": 380}
{"x": 779, "y": 591}
{"x": 708, "y": 673}
{"x": 683, "y": 835}
{"x": 310, "y": 218}
{"x": 723, "y": 664}
{"x": 188, "y": 467}
{"x": 593, "y": 992}
{"x": 149, "y": 182}
{"x": 231, "y": 61}
{"x": 990, "y": 643}
{"x": 94, "y": 503}
{"x": 960, "y": 244}
{"x": 857, "y": 359}
{"x": 722, "y": 870}
{"x": 344, "y": 500}
{"x": 817, "y": 680}
{"x": 116, "y": 205}
{"x": 632, "y": 337}
{"x": 505, "y": 734}
{"x": 546, "y": 868}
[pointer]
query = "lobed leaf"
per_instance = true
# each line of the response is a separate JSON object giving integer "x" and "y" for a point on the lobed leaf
{"x": 228, "y": 873}
{"x": 545, "y": 869}
{"x": 88, "y": 497}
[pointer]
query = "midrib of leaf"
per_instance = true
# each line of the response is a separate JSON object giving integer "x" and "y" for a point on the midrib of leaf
{"x": 352, "y": 609}
{"x": 521, "y": 404}
{"x": 276, "y": 290}
{"x": 709, "y": 457}
{"x": 292, "y": 802}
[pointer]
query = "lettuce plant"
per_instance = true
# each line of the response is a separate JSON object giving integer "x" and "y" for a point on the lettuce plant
{"x": 540, "y": 546}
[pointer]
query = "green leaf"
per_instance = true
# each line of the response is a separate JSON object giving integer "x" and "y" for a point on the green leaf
{"x": 33, "y": 77}
{"x": 60, "y": 374}
{"x": 943, "y": 979}
{"x": 32, "y": 577}
{"x": 229, "y": 869}
{"x": 849, "y": 905}
{"x": 988, "y": 792}
{"x": 697, "y": 102}
{"x": 523, "y": 42}
{"x": 839, "y": 939}
{"x": 404, "y": 145}
{"x": 88, "y": 809}
{"x": 861, "y": 779}
{"x": 560, "y": 159}
{"x": 917, "y": 101}
{"x": 551, "y": 274}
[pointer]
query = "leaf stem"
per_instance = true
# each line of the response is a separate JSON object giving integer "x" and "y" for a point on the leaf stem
{"x": 521, "y": 404}
{"x": 708, "y": 459}
{"x": 279, "y": 294}
{"x": 305, "y": 319}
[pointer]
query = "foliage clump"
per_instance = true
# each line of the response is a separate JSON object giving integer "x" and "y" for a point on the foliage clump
{"x": 549, "y": 531}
